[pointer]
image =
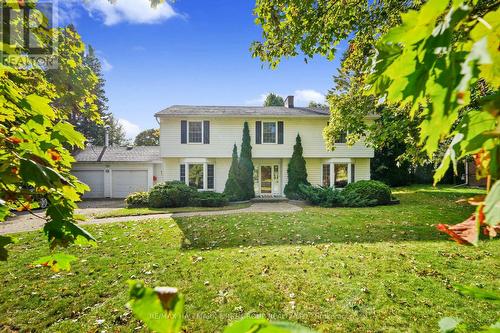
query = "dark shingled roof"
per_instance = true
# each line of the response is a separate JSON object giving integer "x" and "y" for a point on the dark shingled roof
{"x": 238, "y": 111}
{"x": 118, "y": 154}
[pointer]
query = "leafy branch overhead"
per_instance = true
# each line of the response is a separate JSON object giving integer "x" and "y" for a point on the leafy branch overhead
{"x": 37, "y": 136}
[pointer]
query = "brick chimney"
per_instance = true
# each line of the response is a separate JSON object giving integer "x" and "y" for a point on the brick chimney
{"x": 289, "y": 102}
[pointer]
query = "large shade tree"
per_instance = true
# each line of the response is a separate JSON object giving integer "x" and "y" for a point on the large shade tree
{"x": 425, "y": 62}
{"x": 150, "y": 137}
{"x": 273, "y": 99}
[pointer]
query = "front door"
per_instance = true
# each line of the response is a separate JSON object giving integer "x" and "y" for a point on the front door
{"x": 266, "y": 179}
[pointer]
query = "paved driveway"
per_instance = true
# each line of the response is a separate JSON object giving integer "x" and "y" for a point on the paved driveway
{"x": 27, "y": 222}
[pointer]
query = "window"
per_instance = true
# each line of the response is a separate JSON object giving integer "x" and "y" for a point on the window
{"x": 195, "y": 131}
{"x": 196, "y": 176}
{"x": 269, "y": 132}
{"x": 183, "y": 173}
{"x": 210, "y": 176}
{"x": 341, "y": 176}
{"x": 326, "y": 176}
{"x": 342, "y": 137}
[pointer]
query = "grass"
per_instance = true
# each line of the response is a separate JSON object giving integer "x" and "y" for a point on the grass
{"x": 382, "y": 269}
{"x": 151, "y": 211}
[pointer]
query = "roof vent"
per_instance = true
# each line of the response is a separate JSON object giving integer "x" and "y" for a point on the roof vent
{"x": 289, "y": 102}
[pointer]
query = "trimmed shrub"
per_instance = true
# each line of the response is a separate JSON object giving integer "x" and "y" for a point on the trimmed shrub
{"x": 209, "y": 199}
{"x": 171, "y": 194}
{"x": 297, "y": 172}
{"x": 321, "y": 196}
{"x": 366, "y": 193}
{"x": 137, "y": 200}
{"x": 363, "y": 193}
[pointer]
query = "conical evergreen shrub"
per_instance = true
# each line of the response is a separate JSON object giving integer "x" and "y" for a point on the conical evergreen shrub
{"x": 232, "y": 189}
{"x": 297, "y": 172}
{"x": 246, "y": 166}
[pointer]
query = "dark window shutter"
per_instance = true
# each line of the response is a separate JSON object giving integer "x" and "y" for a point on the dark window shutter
{"x": 258, "y": 132}
{"x": 184, "y": 128}
{"x": 206, "y": 132}
{"x": 353, "y": 176}
{"x": 210, "y": 176}
{"x": 182, "y": 177}
{"x": 280, "y": 132}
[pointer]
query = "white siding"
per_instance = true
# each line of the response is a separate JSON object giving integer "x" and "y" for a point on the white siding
{"x": 313, "y": 166}
{"x": 222, "y": 166}
{"x": 224, "y": 132}
{"x": 362, "y": 169}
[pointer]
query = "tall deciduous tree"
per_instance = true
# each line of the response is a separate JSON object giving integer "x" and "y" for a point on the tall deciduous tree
{"x": 424, "y": 60}
{"x": 150, "y": 137}
{"x": 274, "y": 100}
{"x": 75, "y": 81}
{"x": 246, "y": 167}
{"x": 232, "y": 189}
{"x": 297, "y": 171}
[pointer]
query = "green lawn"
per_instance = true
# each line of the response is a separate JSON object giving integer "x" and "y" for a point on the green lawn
{"x": 382, "y": 269}
{"x": 152, "y": 211}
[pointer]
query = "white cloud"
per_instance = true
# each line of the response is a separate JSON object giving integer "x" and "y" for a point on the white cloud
{"x": 130, "y": 129}
{"x": 131, "y": 11}
{"x": 106, "y": 66}
{"x": 303, "y": 97}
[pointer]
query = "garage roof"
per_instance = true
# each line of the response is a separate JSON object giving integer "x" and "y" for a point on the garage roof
{"x": 118, "y": 154}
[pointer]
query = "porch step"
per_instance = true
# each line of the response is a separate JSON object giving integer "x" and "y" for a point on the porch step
{"x": 270, "y": 199}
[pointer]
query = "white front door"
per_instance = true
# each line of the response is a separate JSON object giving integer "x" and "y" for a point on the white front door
{"x": 269, "y": 180}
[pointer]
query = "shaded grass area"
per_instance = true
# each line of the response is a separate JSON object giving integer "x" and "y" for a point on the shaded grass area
{"x": 151, "y": 211}
{"x": 337, "y": 270}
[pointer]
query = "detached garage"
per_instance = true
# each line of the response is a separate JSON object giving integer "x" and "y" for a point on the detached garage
{"x": 114, "y": 172}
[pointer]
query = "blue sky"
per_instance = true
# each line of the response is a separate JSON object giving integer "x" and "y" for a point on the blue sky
{"x": 188, "y": 52}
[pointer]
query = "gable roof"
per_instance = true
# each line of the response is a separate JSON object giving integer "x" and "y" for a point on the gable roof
{"x": 118, "y": 154}
{"x": 239, "y": 111}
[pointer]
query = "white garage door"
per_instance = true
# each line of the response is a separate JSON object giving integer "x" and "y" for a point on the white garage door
{"x": 94, "y": 179}
{"x": 127, "y": 181}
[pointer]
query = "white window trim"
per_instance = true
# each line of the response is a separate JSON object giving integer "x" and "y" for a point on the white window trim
{"x": 205, "y": 175}
{"x": 202, "y": 132}
{"x": 332, "y": 172}
{"x": 275, "y": 135}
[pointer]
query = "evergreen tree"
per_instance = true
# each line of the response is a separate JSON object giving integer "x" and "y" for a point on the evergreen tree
{"x": 297, "y": 172}
{"x": 90, "y": 129}
{"x": 232, "y": 189}
{"x": 246, "y": 166}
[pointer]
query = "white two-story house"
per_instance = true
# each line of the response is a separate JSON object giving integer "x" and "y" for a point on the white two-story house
{"x": 196, "y": 144}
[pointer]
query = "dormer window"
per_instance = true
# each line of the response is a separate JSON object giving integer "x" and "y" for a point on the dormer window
{"x": 269, "y": 132}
